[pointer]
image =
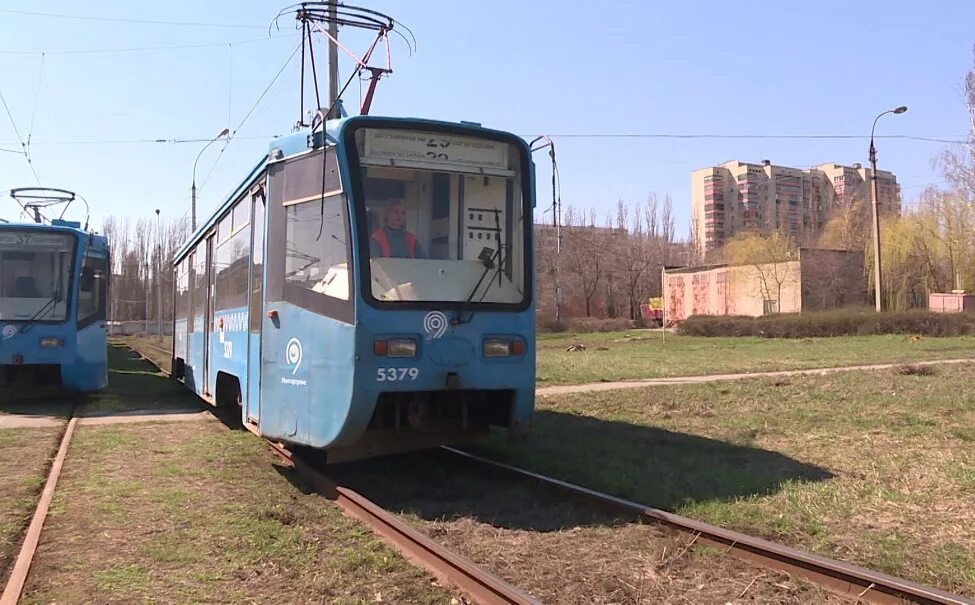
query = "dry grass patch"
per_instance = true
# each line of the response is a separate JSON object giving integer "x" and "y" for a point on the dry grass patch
{"x": 561, "y": 550}
{"x": 193, "y": 512}
{"x": 25, "y": 456}
{"x": 876, "y": 468}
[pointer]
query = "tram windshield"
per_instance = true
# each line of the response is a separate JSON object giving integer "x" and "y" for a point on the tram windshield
{"x": 35, "y": 275}
{"x": 445, "y": 217}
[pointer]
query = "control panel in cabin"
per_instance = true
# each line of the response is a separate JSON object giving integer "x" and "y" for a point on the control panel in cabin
{"x": 484, "y": 217}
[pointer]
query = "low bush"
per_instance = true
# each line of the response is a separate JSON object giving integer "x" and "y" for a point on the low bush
{"x": 832, "y": 323}
{"x": 586, "y": 325}
{"x": 593, "y": 324}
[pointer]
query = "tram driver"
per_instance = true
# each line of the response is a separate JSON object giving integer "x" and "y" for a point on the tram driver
{"x": 393, "y": 239}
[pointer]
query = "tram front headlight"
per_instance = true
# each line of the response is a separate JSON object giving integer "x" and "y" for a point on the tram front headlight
{"x": 497, "y": 347}
{"x": 51, "y": 342}
{"x": 401, "y": 347}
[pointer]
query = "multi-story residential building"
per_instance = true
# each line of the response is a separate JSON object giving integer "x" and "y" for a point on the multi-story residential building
{"x": 737, "y": 196}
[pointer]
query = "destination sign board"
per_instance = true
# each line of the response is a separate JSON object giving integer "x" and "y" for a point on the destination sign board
{"x": 389, "y": 147}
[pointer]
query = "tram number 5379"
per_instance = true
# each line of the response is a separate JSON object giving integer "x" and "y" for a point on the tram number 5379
{"x": 396, "y": 374}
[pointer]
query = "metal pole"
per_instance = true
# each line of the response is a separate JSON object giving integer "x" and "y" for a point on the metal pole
{"x": 147, "y": 298}
{"x": 159, "y": 281}
{"x": 557, "y": 211}
{"x": 333, "y": 61}
{"x": 193, "y": 206}
{"x": 877, "y": 278}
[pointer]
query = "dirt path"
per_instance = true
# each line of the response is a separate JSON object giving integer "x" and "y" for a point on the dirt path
{"x": 633, "y": 384}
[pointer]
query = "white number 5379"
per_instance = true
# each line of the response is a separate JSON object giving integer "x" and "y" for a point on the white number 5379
{"x": 396, "y": 374}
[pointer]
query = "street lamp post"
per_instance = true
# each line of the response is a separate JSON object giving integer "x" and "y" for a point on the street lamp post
{"x": 556, "y": 220}
{"x": 159, "y": 281}
{"x": 878, "y": 292}
{"x": 220, "y": 135}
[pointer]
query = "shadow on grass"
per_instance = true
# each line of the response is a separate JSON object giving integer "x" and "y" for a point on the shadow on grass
{"x": 135, "y": 385}
{"x": 653, "y": 466}
{"x": 646, "y": 464}
{"x": 650, "y": 465}
{"x": 434, "y": 485}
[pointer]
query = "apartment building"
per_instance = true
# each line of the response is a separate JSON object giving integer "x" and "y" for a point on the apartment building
{"x": 737, "y": 196}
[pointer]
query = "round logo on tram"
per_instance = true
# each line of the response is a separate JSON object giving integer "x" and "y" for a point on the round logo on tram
{"x": 9, "y": 330}
{"x": 435, "y": 324}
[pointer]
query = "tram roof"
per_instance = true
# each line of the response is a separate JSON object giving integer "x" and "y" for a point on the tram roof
{"x": 58, "y": 226}
{"x": 286, "y": 146}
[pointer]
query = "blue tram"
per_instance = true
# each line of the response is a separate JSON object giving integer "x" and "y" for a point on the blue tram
{"x": 367, "y": 289}
{"x": 54, "y": 282}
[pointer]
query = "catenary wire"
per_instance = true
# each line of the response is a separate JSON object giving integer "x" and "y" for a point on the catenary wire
{"x": 87, "y": 51}
{"x": 129, "y": 20}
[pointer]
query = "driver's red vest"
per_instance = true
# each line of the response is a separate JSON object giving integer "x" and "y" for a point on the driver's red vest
{"x": 380, "y": 236}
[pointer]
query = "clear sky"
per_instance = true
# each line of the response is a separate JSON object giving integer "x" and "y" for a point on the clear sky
{"x": 527, "y": 66}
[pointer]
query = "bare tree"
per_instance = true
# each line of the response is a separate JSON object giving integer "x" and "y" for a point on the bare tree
{"x": 766, "y": 256}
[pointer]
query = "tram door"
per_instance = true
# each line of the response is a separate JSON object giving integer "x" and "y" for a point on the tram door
{"x": 255, "y": 311}
{"x": 208, "y": 319}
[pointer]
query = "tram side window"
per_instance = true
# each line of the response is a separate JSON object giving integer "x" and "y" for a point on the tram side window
{"x": 92, "y": 289}
{"x": 316, "y": 247}
{"x": 232, "y": 263}
{"x": 182, "y": 291}
{"x": 198, "y": 260}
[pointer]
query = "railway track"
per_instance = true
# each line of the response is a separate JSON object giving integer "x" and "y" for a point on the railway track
{"x": 18, "y": 576}
{"x": 857, "y": 583}
{"x": 447, "y": 566}
{"x": 849, "y": 580}
{"x": 416, "y": 546}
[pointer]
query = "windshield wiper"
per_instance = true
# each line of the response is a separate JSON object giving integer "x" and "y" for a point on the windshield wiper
{"x": 487, "y": 257}
{"x": 50, "y": 304}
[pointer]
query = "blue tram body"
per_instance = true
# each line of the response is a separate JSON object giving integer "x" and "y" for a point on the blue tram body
{"x": 53, "y": 296}
{"x": 368, "y": 289}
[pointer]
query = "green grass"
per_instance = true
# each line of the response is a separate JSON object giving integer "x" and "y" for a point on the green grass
{"x": 217, "y": 523}
{"x": 871, "y": 467}
{"x": 24, "y": 456}
{"x": 134, "y": 384}
{"x": 639, "y": 354}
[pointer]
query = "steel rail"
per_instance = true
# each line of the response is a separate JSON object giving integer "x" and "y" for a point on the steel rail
{"x": 416, "y": 546}
{"x": 18, "y": 576}
{"x": 845, "y": 579}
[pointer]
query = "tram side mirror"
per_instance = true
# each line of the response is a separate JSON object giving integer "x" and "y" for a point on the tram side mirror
{"x": 486, "y": 257}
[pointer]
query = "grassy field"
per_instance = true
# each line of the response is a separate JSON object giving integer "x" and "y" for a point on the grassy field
{"x": 134, "y": 384}
{"x": 24, "y": 456}
{"x": 195, "y": 512}
{"x": 876, "y": 468}
{"x": 643, "y": 354}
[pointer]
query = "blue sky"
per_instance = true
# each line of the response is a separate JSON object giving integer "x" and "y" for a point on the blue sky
{"x": 530, "y": 67}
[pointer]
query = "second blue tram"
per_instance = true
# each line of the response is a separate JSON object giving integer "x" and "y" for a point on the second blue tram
{"x": 53, "y": 295}
{"x": 368, "y": 288}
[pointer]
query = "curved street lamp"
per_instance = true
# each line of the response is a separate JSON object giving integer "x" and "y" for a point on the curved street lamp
{"x": 220, "y": 135}
{"x": 878, "y": 301}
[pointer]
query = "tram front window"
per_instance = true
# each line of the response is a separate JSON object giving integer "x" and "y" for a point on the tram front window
{"x": 35, "y": 270}
{"x": 445, "y": 225}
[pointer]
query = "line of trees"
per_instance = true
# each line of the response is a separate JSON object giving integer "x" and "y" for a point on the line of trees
{"x": 142, "y": 267}
{"x": 609, "y": 269}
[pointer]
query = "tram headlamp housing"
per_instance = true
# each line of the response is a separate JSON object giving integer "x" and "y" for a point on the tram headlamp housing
{"x": 503, "y": 347}
{"x": 401, "y": 347}
{"x": 497, "y": 347}
{"x": 51, "y": 342}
